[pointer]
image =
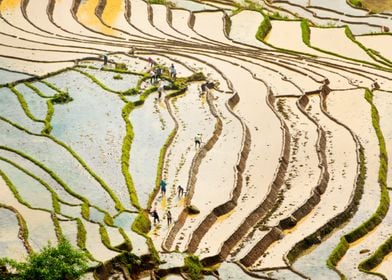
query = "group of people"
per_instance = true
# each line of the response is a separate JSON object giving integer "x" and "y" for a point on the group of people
{"x": 168, "y": 214}
{"x": 156, "y": 71}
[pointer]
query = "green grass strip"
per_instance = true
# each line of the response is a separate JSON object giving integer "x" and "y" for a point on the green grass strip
{"x": 142, "y": 226}
{"x": 129, "y": 91}
{"x": 162, "y": 153}
{"x": 14, "y": 190}
{"x": 264, "y": 28}
{"x": 383, "y": 207}
{"x": 117, "y": 202}
{"x": 23, "y": 202}
{"x": 55, "y": 197}
{"x": 48, "y": 126}
{"x": 23, "y": 226}
{"x": 53, "y": 86}
{"x": 306, "y": 28}
{"x": 47, "y": 170}
{"x": 57, "y": 227}
{"x": 125, "y": 154}
{"x": 24, "y": 105}
{"x": 371, "y": 53}
{"x": 105, "y": 238}
{"x": 36, "y": 90}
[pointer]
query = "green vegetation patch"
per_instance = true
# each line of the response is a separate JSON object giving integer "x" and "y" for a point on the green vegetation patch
{"x": 264, "y": 28}
{"x": 193, "y": 267}
{"x": 381, "y": 210}
{"x": 52, "y": 263}
{"x": 162, "y": 2}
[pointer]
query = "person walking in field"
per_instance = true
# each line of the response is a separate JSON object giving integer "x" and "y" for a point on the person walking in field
{"x": 173, "y": 71}
{"x": 152, "y": 77}
{"x": 198, "y": 140}
{"x": 169, "y": 217}
{"x": 151, "y": 62}
{"x": 163, "y": 184}
{"x": 161, "y": 89}
{"x": 155, "y": 216}
{"x": 105, "y": 59}
{"x": 180, "y": 191}
{"x": 158, "y": 73}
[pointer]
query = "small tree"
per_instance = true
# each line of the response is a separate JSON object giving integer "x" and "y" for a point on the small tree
{"x": 62, "y": 262}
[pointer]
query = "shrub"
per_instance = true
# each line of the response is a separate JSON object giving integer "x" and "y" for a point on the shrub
{"x": 52, "y": 263}
{"x": 118, "y": 77}
{"x": 264, "y": 28}
{"x": 356, "y": 3}
{"x": 141, "y": 224}
{"x": 193, "y": 267}
{"x": 61, "y": 98}
{"x": 121, "y": 66}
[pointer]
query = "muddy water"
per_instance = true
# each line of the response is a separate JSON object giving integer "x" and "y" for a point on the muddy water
{"x": 93, "y": 126}
{"x": 211, "y": 26}
{"x": 44, "y": 89}
{"x": 139, "y": 18}
{"x": 192, "y": 5}
{"x": 180, "y": 23}
{"x": 379, "y": 43}
{"x": 10, "y": 245}
{"x": 341, "y": 44}
{"x": 360, "y": 122}
{"x": 337, "y": 101}
{"x": 33, "y": 68}
{"x": 161, "y": 23}
{"x": 262, "y": 160}
{"x": 333, "y": 201}
{"x": 232, "y": 271}
{"x": 68, "y": 22}
{"x": 244, "y": 28}
{"x": 289, "y": 30}
{"x": 302, "y": 172}
{"x": 213, "y": 188}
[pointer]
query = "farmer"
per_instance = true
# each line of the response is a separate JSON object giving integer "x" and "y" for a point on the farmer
{"x": 105, "y": 59}
{"x": 163, "y": 184}
{"x": 198, "y": 140}
{"x": 203, "y": 88}
{"x": 151, "y": 62}
{"x": 158, "y": 73}
{"x": 161, "y": 89}
{"x": 155, "y": 215}
{"x": 152, "y": 77}
{"x": 173, "y": 71}
{"x": 169, "y": 217}
{"x": 180, "y": 191}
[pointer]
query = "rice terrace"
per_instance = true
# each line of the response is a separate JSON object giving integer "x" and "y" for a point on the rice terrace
{"x": 196, "y": 139}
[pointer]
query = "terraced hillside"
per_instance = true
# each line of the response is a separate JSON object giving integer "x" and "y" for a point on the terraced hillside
{"x": 291, "y": 101}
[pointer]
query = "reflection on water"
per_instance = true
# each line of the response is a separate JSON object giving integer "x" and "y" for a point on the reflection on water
{"x": 9, "y": 77}
{"x": 152, "y": 125}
